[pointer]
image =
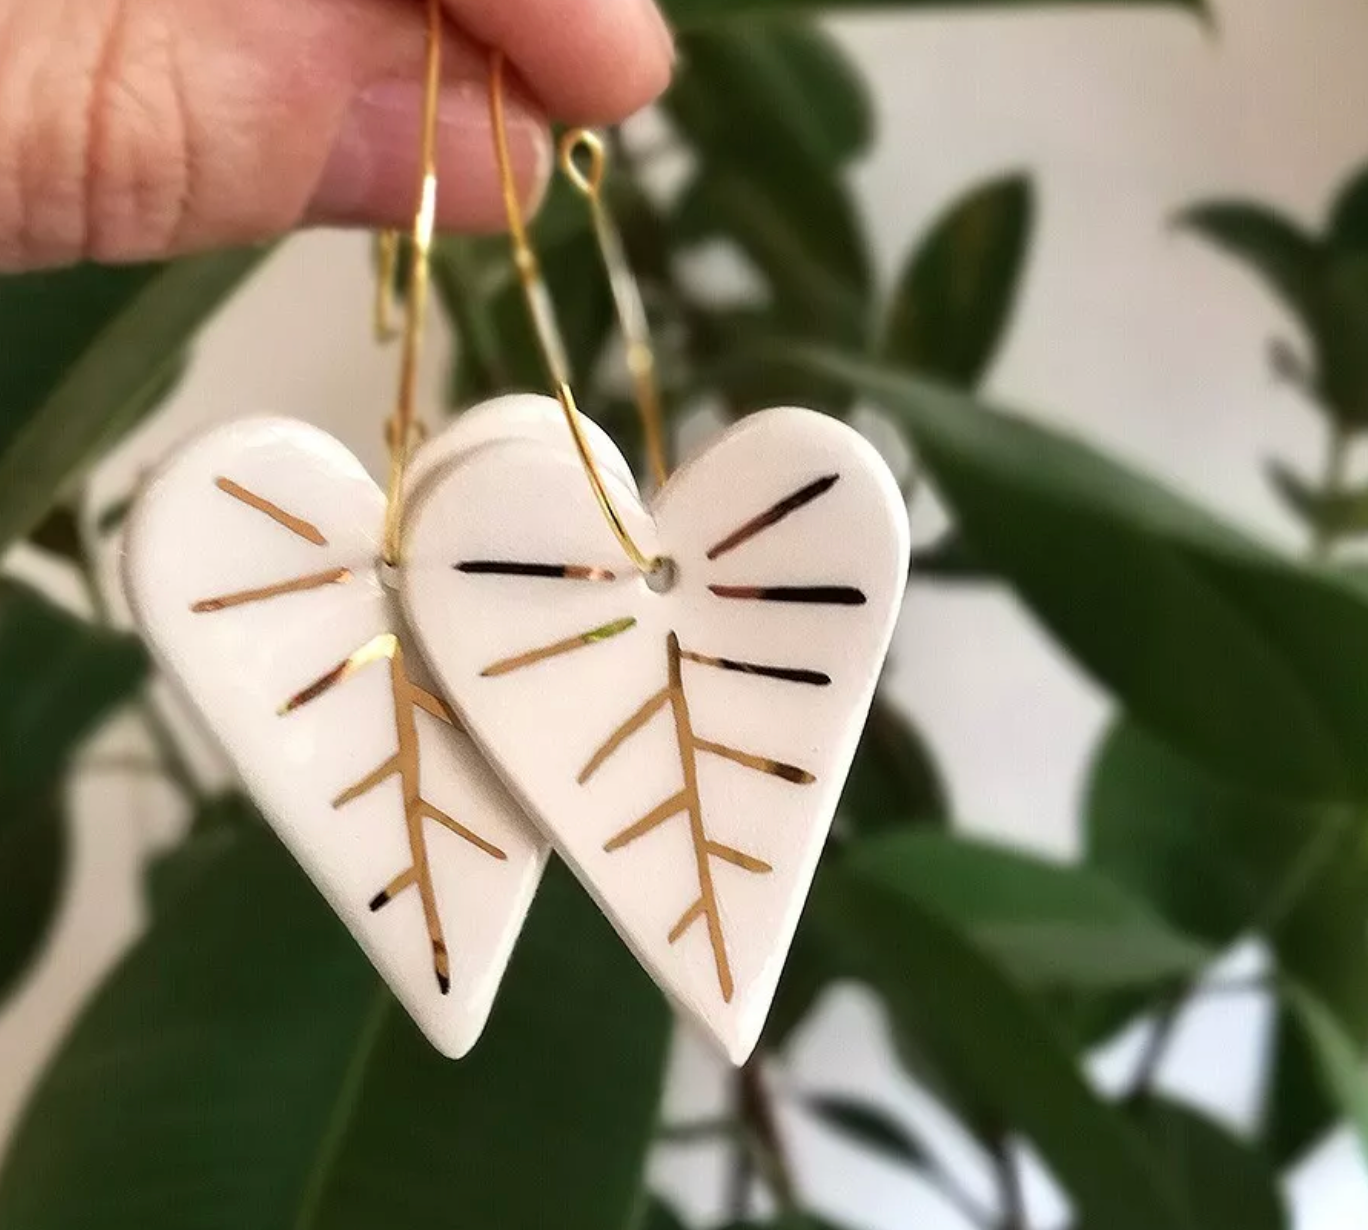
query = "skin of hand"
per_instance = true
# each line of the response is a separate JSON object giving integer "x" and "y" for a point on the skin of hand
{"x": 138, "y": 129}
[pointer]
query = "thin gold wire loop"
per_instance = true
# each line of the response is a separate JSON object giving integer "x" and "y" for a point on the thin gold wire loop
{"x": 584, "y": 161}
{"x": 403, "y": 431}
{"x": 543, "y": 314}
{"x": 386, "y": 262}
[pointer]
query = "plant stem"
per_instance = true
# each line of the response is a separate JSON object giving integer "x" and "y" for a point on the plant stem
{"x": 755, "y": 1109}
{"x": 740, "y": 1180}
{"x": 1336, "y": 471}
{"x": 1014, "y": 1215}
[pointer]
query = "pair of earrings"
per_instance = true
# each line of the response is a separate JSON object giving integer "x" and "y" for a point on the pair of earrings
{"x": 428, "y": 691}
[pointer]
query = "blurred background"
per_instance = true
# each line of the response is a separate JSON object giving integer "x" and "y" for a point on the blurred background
{"x": 1128, "y": 329}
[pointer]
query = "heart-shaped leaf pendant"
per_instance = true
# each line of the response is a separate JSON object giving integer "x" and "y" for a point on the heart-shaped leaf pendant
{"x": 252, "y": 568}
{"x": 683, "y": 739}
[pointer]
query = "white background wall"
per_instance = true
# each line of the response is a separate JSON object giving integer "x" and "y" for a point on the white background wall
{"x": 1132, "y": 334}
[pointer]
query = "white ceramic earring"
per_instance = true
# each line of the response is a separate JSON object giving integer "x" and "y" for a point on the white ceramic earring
{"x": 683, "y": 738}
{"x": 252, "y": 568}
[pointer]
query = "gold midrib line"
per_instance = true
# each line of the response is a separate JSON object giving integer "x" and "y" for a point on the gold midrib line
{"x": 684, "y": 734}
{"x": 344, "y": 1110}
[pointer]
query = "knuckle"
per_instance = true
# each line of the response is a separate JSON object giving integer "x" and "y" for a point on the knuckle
{"x": 92, "y": 155}
{"x": 135, "y": 170}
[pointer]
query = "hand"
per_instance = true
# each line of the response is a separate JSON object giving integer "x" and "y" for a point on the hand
{"x": 136, "y": 129}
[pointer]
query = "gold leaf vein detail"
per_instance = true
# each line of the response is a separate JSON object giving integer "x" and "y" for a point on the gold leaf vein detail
{"x": 688, "y": 801}
{"x": 409, "y": 698}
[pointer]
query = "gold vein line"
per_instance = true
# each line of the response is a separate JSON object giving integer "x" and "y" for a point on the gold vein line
{"x": 407, "y": 699}
{"x": 729, "y": 854}
{"x": 386, "y": 645}
{"x": 761, "y": 764}
{"x": 625, "y": 732}
{"x": 774, "y": 514}
{"x": 367, "y": 783}
{"x": 533, "y": 656}
{"x": 391, "y": 890}
{"x": 433, "y": 705}
{"x": 406, "y": 728}
{"x": 296, "y": 525}
{"x": 460, "y": 830}
{"x": 651, "y": 820}
{"x": 688, "y": 761}
{"x": 334, "y": 576}
{"x": 785, "y": 674}
{"x": 687, "y": 920}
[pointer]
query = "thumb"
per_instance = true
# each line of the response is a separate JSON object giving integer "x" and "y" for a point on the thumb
{"x": 146, "y": 128}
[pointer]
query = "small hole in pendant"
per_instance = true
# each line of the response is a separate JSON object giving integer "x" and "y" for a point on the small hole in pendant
{"x": 663, "y": 577}
{"x": 389, "y": 574}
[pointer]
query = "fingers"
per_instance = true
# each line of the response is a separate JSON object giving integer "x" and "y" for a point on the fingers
{"x": 152, "y": 127}
{"x": 589, "y": 61}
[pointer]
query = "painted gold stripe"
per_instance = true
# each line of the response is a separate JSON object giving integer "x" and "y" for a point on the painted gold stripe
{"x": 334, "y": 576}
{"x": 786, "y": 674}
{"x": 761, "y": 764}
{"x": 774, "y": 514}
{"x": 625, "y": 732}
{"x": 533, "y": 656}
{"x": 747, "y": 862}
{"x": 651, "y": 820}
{"x": 518, "y": 568}
{"x": 821, "y": 595}
{"x": 383, "y": 646}
{"x": 687, "y": 919}
{"x": 296, "y": 525}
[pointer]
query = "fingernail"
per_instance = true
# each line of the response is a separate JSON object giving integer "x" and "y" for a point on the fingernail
{"x": 372, "y": 172}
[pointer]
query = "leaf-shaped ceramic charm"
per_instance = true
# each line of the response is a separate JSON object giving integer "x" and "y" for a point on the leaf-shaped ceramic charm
{"x": 251, "y": 567}
{"x": 684, "y": 749}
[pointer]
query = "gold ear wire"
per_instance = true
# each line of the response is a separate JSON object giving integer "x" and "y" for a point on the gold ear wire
{"x": 631, "y": 312}
{"x": 386, "y": 263}
{"x": 543, "y": 314}
{"x": 402, "y": 430}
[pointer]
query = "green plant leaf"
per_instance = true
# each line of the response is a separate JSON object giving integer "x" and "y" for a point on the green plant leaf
{"x": 88, "y": 353}
{"x": 1225, "y": 1184}
{"x": 1048, "y": 925}
{"x": 33, "y": 861}
{"x": 943, "y": 991}
{"x": 955, "y": 298}
{"x": 476, "y": 281}
{"x": 690, "y": 13}
{"x": 1342, "y": 337}
{"x": 659, "y": 1216}
{"x": 62, "y": 677}
{"x": 792, "y": 94}
{"x": 1349, "y": 215}
{"x": 894, "y": 780}
{"x": 1300, "y": 1106}
{"x": 811, "y": 968}
{"x": 1339, "y": 515}
{"x": 796, "y": 243}
{"x": 59, "y": 534}
{"x": 793, "y": 1221}
{"x": 1253, "y": 663}
{"x": 1219, "y": 860}
{"x": 1286, "y": 258}
{"x": 768, "y": 181}
{"x": 244, "y": 1067}
{"x": 1340, "y": 1060}
{"x": 949, "y": 559}
{"x": 868, "y": 1126}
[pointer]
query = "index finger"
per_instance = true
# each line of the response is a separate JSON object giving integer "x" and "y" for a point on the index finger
{"x": 587, "y": 61}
